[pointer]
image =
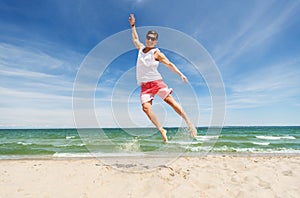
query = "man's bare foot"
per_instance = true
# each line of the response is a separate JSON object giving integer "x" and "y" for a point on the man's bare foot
{"x": 163, "y": 133}
{"x": 193, "y": 130}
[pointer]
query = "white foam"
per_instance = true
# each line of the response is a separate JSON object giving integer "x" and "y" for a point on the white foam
{"x": 91, "y": 155}
{"x": 200, "y": 149}
{"x": 275, "y": 137}
{"x": 207, "y": 137}
{"x": 122, "y": 154}
{"x": 69, "y": 145}
{"x": 256, "y": 150}
{"x": 227, "y": 149}
{"x": 261, "y": 143}
{"x": 24, "y": 143}
{"x": 71, "y": 155}
{"x": 182, "y": 142}
{"x": 70, "y": 137}
{"x": 133, "y": 145}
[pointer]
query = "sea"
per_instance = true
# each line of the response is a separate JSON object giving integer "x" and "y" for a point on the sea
{"x": 114, "y": 142}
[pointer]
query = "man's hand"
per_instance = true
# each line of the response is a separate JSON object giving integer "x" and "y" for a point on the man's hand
{"x": 135, "y": 37}
{"x": 132, "y": 20}
{"x": 184, "y": 78}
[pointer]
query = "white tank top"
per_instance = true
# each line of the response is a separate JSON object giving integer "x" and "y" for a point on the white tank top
{"x": 146, "y": 67}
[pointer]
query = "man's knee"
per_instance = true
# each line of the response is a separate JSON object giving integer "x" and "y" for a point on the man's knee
{"x": 169, "y": 99}
{"x": 146, "y": 108}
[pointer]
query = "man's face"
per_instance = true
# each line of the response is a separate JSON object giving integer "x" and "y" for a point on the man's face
{"x": 151, "y": 40}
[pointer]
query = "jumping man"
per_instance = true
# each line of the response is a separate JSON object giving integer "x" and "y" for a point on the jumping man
{"x": 151, "y": 81}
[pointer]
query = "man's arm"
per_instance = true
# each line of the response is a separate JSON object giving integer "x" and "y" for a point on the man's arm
{"x": 163, "y": 59}
{"x": 135, "y": 37}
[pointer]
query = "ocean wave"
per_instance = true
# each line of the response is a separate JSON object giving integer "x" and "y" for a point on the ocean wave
{"x": 182, "y": 142}
{"x": 205, "y": 138}
{"x": 90, "y": 155}
{"x": 227, "y": 149}
{"x": 70, "y": 137}
{"x": 199, "y": 149}
{"x": 69, "y": 145}
{"x": 275, "y": 137}
{"x": 131, "y": 146}
{"x": 24, "y": 143}
{"x": 261, "y": 143}
{"x": 71, "y": 155}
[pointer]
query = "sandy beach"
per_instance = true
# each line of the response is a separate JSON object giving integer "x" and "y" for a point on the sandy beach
{"x": 210, "y": 176}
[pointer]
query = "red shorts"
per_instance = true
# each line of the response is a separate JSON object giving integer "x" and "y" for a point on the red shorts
{"x": 149, "y": 89}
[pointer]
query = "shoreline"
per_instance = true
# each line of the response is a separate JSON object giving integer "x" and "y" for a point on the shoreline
{"x": 76, "y": 156}
{"x": 206, "y": 176}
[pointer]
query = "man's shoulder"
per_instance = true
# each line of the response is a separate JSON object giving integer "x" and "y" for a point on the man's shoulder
{"x": 141, "y": 47}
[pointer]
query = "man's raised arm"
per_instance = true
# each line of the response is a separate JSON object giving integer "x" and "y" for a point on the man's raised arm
{"x": 135, "y": 37}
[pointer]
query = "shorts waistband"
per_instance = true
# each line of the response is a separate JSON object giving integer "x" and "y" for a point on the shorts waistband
{"x": 151, "y": 82}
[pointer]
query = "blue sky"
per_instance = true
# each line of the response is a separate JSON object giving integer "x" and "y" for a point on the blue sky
{"x": 255, "y": 45}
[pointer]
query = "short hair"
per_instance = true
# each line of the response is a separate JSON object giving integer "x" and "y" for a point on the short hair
{"x": 154, "y": 33}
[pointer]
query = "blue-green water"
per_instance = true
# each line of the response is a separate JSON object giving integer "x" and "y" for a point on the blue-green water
{"x": 49, "y": 143}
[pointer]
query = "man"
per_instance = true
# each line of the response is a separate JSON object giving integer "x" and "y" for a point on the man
{"x": 151, "y": 81}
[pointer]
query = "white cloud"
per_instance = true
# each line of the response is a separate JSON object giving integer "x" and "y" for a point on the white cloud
{"x": 28, "y": 117}
{"x": 266, "y": 86}
{"x": 36, "y": 88}
{"x": 262, "y": 24}
{"x": 20, "y": 57}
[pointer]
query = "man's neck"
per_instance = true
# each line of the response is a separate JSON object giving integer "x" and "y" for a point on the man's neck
{"x": 147, "y": 49}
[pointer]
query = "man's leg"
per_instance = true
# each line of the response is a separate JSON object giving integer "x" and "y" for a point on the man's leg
{"x": 176, "y": 106}
{"x": 147, "y": 109}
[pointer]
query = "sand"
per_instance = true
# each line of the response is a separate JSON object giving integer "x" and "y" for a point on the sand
{"x": 210, "y": 176}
